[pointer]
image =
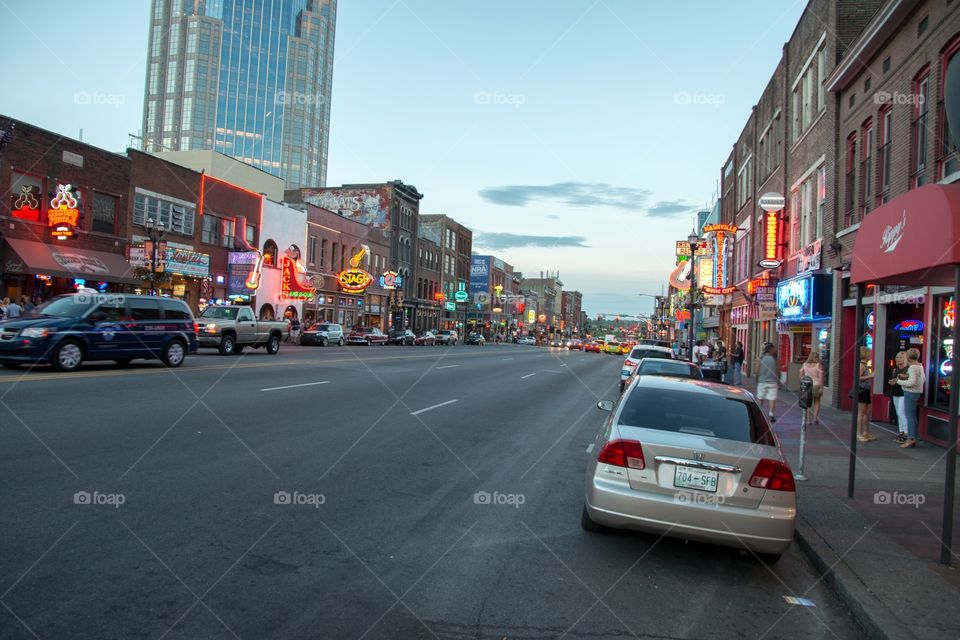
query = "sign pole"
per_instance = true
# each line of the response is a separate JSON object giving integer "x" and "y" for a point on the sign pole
{"x": 855, "y": 374}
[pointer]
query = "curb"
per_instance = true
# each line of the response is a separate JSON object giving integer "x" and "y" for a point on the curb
{"x": 866, "y": 609}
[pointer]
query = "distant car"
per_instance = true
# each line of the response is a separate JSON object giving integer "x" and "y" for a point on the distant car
{"x": 322, "y": 334}
{"x": 662, "y": 367}
{"x": 447, "y": 336}
{"x": 611, "y": 346}
{"x": 593, "y": 346}
{"x": 476, "y": 338}
{"x": 401, "y": 337}
{"x": 574, "y": 343}
{"x": 425, "y": 338}
{"x": 712, "y": 369}
{"x": 637, "y": 354}
{"x": 527, "y": 340}
{"x": 691, "y": 459}
{"x": 368, "y": 336}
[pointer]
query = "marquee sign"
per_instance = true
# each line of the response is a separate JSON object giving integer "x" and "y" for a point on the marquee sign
{"x": 683, "y": 248}
{"x": 355, "y": 279}
{"x": 290, "y": 286}
{"x": 63, "y": 216}
{"x": 725, "y": 228}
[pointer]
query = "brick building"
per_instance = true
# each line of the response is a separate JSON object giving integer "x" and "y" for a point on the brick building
{"x": 571, "y": 305}
{"x": 456, "y": 244}
{"x": 429, "y": 286}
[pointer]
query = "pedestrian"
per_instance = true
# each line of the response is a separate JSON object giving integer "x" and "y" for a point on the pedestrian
{"x": 294, "y": 329}
{"x": 13, "y": 309}
{"x": 737, "y": 357}
{"x": 26, "y": 304}
{"x": 813, "y": 368}
{"x": 912, "y": 390}
{"x": 864, "y": 393}
{"x": 896, "y": 394}
{"x": 768, "y": 382}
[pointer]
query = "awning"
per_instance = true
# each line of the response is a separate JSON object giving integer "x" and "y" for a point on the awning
{"x": 913, "y": 239}
{"x": 64, "y": 261}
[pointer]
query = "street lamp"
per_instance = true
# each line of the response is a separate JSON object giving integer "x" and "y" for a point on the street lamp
{"x": 156, "y": 231}
{"x": 694, "y": 240}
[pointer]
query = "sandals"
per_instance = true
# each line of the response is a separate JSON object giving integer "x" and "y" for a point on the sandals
{"x": 910, "y": 443}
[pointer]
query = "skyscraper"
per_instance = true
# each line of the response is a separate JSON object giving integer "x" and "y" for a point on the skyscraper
{"x": 248, "y": 78}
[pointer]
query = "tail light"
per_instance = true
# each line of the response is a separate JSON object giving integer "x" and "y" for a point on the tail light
{"x": 630, "y": 363}
{"x": 774, "y": 475}
{"x": 196, "y": 328}
{"x": 623, "y": 453}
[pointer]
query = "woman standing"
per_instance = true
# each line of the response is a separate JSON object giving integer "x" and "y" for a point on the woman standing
{"x": 738, "y": 355}
{"x": 864, "y": 397}
{"x": 912, "y": 390}
{"x": 814, "y": 369}
{"x": 896, "y": 394}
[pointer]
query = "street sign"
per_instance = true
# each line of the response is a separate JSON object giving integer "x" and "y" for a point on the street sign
{"x": 772, "y": 201}
{"x": 766, "y": 294}
{"x": 451, "y": 306}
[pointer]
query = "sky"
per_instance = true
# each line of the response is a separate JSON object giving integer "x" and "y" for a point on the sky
{"x": 578, "y": 136}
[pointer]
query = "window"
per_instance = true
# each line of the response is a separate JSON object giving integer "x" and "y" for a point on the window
{"x": 920, "y": 129}
{"x": 104, "y": 213}
{"x": 808, "y": 212}
{"x": 172, "y": 76}
{"x": 795, "y": 208}
{"x": 884, "y": 155}
{"x": 821, "y": 78}
{"x": 851, "y": 179}
{"x": 251, "y": 235}
{"x": 226, "y": 237}
{"x": 144, "y": 309}
{"x": 886, "y": 64}
{"x": 922, "y": 26}
{"x": 948, "y": 160}
{"x": 210, "y": 232}
{"x": 866, "y": 168}
{"x": 312, "y": 250}
{"x": 866, "y": 85}
{"x": 852, "y": 101}
{"x": 175, "y": 310}
{"x": 270, "y": 253}
{"x": 323, "y": 253}
{"x": 821, "y": 198}
{"x": 161, "y": 212}
{"x": 809, "y": 93}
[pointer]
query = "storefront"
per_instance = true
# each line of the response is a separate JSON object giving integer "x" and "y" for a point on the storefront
{"x": 803, "y": 319}
{"x": 182, "y": 273}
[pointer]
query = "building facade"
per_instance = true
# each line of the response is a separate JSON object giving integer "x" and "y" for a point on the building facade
{"x": 456, "y": 244}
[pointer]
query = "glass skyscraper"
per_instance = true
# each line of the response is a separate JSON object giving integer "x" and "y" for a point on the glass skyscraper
{"x": 248, "y": 78}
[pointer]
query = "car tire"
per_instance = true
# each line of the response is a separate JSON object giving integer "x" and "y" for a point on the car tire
{"x": 340, "y": 342}
{"x": 589, "y": 525}
{"x": 322, "y": 342}
{"x": 122, "y": 361}
{"x": 174, "y": 354}
{"x": 227, "y": 344}
{"x": 67, "y": 356}
{"x": 273, "y": 345}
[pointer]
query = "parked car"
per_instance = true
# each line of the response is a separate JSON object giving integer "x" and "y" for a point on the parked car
{"x": 637, "y": 354}
{"x": 694, "y": 460}
{"x": 476, "y": 338}
{"x": 712, "y": 369}
{"x": 447, "y": 336}
{"x": 229, "y": 329}
{"x": 593, "y": 347}
{"x": 425, "y": 338}
{"x": 368, "y": 336}
{"x": 529, "y": 340}
{"x": 662, "y": 367}
{"x": 67, "y": 330}
{"x": 401, "y": 337}
{"x": 322, "y": 334}
{"x": 574, "y": 343}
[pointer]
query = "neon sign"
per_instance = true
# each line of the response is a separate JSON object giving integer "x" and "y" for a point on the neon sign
{"x": 439, "y": 296}
{"x": 949, "y": 313}
{"x": 391, "y": 280}
{"x": 26, "y": 206}
{"x": 355, "y": 279}
{"x": 461, "y": 296}
{"x": 63, "y": 214}
{"x": 909, "y": 326}
{"x": 290, "y": 286}
{"x": 720, "y": 228}
{"x": 718, "y": 291}
{"x": 770, "y": 233}
{"x": 531, "y": 316}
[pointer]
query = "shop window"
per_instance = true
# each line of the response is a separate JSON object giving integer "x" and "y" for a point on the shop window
{"x": 210, "y": 234}
{"x": 270, "y": 253}
{"x": 226, "y": 235}
{"x": 940, "y": 368}
{"x": 104, "y": 213}
{"x": 26, "y": 197}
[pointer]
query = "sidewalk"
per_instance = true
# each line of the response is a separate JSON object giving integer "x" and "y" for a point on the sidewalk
{"x": 880, "y": 551}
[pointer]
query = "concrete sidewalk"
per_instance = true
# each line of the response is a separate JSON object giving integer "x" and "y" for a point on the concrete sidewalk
{"x": 879, "y": 551}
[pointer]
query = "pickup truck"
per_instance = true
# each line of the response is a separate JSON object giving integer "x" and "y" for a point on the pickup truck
{"x": 232, "y": 328}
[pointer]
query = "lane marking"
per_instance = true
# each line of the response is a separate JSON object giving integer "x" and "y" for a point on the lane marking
{"x": 442, "y": 404}
{"x": 447, "y": 366}
{"x": 294, "y": 386}
{"x": 527, "y": 376}
{"x": 506, "y": 358}
{"x": 552, "y": 371}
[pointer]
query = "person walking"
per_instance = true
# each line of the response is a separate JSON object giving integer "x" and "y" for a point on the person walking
{"x": 768, "y": 382}
{"x": 912, "y": 390}
{"x": 864, "y": 393}
{"x": 896, "y": 394}
{"x": 737, "y": 358}
{"x": 813, "y": 368}
{"x": 13, "y": 309}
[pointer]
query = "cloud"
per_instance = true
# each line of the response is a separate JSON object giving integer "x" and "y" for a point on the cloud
{"x": 553, "y": 217}
{"x": 511, "y": 240}
{"x": 578, "y": 194}
{"x": 668, "y": 209}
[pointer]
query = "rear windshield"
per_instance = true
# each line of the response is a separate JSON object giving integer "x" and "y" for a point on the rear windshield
{"x": 639, "y": 353}
{"x": 662, "y": 366}
{"x": 708, "y": 415}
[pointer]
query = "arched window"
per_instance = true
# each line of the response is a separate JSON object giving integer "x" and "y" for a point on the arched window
{"x": 270, "y": 253}
{"x": 266, "y": 312}
{"x": 294, "y": 253}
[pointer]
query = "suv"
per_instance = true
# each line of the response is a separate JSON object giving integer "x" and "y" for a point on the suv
{"x": 68, "y": 329}
{"x": 637, "y": 354}
{"x": 323, "y": 333}
{"x": 447, "y": 336}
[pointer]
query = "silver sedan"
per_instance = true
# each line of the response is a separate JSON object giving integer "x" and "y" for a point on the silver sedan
{"x": 691, "y": 459}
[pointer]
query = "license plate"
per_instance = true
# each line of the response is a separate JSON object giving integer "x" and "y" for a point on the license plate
{"x": 687, "y": 478}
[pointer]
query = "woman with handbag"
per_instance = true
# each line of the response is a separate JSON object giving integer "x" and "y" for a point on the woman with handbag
{"x": 814, "y": 369}
{"x": 864, "y": 397}
{"x": 912, "y": 390}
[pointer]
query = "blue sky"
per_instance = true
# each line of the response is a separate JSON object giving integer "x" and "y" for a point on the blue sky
{"x": 571, "y": 135}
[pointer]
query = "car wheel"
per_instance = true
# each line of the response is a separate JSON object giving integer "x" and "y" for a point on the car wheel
{"x": 122, "y": 361}
{"x": 340, "y": 343}
{"x": 589, "y": 525}
{"x": 67, "y": 356}
{"x": 273, "y": 345}
{"x": 227, "y": 345}
{"x": 174, "y": 354}
{"x": 322, "y": 342}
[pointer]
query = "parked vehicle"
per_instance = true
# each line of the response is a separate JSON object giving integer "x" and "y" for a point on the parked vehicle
{"x": 232, "y": 328}
{"x": 637, "y": 354}
{"x": 691, "y": 459}
{"x": 662, "y": 367}
{"x": 528, "y": 340}
{"x": 425, "y": 338}
{"x": 476, "y": 338}
{"x": 322, "y": 334}
{"x": 447, "y": 336}
{"x": 67, "y": 330}
{"x": 401, "y": 337}
{"x": 712, "y": 369}
{"x": 368, "y": 336}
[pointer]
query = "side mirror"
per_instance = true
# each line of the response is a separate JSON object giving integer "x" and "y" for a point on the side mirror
{"x": 605, "y": 405}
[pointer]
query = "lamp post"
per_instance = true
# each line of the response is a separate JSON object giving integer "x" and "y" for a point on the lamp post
{"x": 156, "y": 231}
{"x": 694, "y": 241}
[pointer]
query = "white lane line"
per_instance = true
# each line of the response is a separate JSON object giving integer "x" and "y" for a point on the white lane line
{"x": 448, "y": 366}
{"x": 552, "y": 371}
{"x": 506, "y": 358}
{"x": 294, "y": 386}
{"x": 527, "y": 376}
{"x": 413, "y": 413}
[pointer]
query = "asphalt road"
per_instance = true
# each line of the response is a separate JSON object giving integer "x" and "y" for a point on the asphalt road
{"x": 369, "y": 492}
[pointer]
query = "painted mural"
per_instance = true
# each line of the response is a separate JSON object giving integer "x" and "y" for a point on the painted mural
{"x": 367, "y": 206}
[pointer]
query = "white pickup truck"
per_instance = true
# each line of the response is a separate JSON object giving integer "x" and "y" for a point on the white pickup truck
{"x": 232, "y": 328}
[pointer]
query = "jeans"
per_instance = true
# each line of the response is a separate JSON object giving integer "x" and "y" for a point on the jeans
{"x": 737, "y": 372}
{"x": 910, "y": 401}
{"x": 901, "y": 415}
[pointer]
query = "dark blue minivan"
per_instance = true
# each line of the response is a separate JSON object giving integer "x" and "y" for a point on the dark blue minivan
{"x": 69, "y": 329}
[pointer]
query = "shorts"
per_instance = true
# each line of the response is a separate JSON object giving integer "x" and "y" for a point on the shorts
{"x": 767, "y": 391}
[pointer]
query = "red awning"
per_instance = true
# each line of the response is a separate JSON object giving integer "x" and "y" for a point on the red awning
{"x": 913, "y": 239}
{"x": 64, "y": 261}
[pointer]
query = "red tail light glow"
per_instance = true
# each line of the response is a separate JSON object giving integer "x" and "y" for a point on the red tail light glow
{"x": 196, "y": 328}
{"x": 630, "y": 363}
{"x": 623, "y": 453}
{"x": 774, "y": 475}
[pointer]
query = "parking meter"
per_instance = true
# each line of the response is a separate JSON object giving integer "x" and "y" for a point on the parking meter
{"x": 806, "y": 392}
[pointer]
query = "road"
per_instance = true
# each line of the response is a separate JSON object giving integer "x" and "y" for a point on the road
{"x": 368, "y": 492}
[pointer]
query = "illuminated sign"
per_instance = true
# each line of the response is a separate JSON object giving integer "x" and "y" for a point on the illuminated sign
{"x": 439, "y": 296}
{"x": 909, "y": 326}
{"x": 949, "y": 313}
{"x": 355, "y": 279}
{"x": 871, "y": 321}
{"x": 719, "y": 291}
{"x": 290, "y": 286}
{"x": 391, "y": 280}
{"x": 542, "y": 318}
{"x": 683, "y": 248}
{"x": 793, "y": 298}
{"x": 26, "y": 206}
{"x": 461, "y": 296}
{"x": 770, "y": 249}
{"x": 531, "y": 316}
{"x": 63, "y": 214}
{"x": 705, "y": 272}
{"x": 804, "y": 298}
{"x": 451, "y": 306}
{"x": 772, "y": 202}
{"x": 728, "y": 228}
